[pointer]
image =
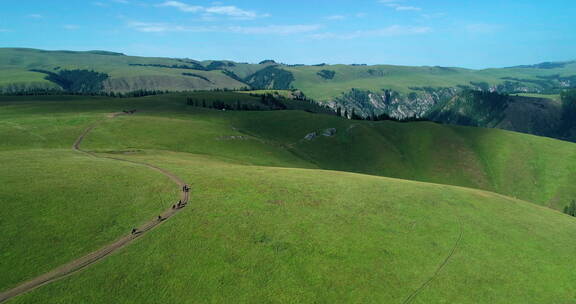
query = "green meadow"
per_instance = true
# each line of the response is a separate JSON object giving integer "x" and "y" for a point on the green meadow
{"x": 129, "y": 73}
{"x": 58, "y": 205}
{"x": 273, "y": 235}
{"x": 403, "y": 78}
{"x": 379, "y": 212}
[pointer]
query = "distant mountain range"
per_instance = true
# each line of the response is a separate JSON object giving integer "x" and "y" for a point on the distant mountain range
{"x": 446, "y": 94}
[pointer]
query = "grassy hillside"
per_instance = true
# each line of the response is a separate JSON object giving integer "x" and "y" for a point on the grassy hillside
{"x": 402, "y": 79}
{"x": 527, "y": 113}
{"x": 258, "y": 234}
{"x": 131, "y": 73}
{"x": 126, "y": 73}
{"x": 397, "y": 91}
{"x": 532, "y": 168}
{"x": 46, "y": 191}
{"x": 268, "y": 222}
{"x": 528, "y": 167}
{"x": 58, "y": 205}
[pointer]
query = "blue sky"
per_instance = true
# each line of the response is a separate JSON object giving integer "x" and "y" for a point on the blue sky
{"x": 473, "y": 34}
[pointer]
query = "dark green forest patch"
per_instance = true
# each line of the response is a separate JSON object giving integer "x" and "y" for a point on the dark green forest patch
{"x": 271, "y": 78}
{"x": 326, "y": 74}
{"x": 197, "y": 76}
{"x": 77, "y": 81}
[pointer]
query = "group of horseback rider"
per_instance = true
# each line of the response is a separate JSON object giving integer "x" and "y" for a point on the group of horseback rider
{"x": 128, "y": 111}
{"x": 178, "y": 205}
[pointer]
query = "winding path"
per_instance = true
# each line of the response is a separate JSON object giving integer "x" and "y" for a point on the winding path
{"x": 91, "y": 258}
{"x": 415, "y": 293}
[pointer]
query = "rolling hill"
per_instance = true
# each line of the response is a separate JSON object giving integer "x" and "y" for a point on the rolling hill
{"x": 321, "y": 82}
{"x": 435, "y": 93}
{"x": 532, "y": 168}
{"x": 370, "y": 212}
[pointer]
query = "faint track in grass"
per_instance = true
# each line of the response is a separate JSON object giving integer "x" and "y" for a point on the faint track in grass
{"x": 93, "y": 257}
{"x": 415, "y": 293}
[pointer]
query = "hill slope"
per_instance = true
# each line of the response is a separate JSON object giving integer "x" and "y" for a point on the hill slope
{"x": 397, "y": 91}
{"x": 125, "y": 73}
{"x": 257, "y": 233}
{"x": 321, "y": 82}
{"x": 532, "y": 168}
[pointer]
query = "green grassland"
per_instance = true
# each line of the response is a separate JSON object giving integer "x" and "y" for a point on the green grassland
{"x": 44, "y": 182}
{"x": 271, "y": 235}
{"x": 403, "y": 78}
{"x": 555, "y": 97}
{"x": 528, "y": 167}
{"x": 58, "y": 205}
{"x": 273, "y": 217}
{"x": 532, "y": 168}
{"x": 123, "y": 76}
{"x": 129, "y": 73}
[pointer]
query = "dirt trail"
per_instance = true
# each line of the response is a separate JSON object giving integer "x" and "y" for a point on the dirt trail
{"x": 91, "y": 258}
{"x": 415, "y": 293}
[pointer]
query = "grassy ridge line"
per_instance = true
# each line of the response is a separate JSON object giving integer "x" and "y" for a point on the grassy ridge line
{"x": 402, "y": 78}
{"x": 126, "y": 77}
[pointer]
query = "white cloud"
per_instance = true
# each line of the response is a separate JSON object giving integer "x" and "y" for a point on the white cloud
{"x": 230, "y": 11}
{"x": 157, "y": 27}
{"x": 335, "y": 17}
{"x": 216, "y": 9}
{"x": 274, "y": 29}
{"x": 121, "y": 1}
{"x": 393, "y": 30}
{"x": 395, "y": 4}
{"x": 182, "y": 6}
{"x": 35, "y": 16}
{"x": 3, "y": 30}
{"x": 407, "y": 8}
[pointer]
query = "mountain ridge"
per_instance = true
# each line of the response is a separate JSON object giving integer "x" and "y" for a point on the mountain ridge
{"x": 399, "y": 92}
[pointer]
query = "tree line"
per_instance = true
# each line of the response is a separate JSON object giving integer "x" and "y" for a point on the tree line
{"x": 59, "y": 92}
{"x": 260, "y": 102}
